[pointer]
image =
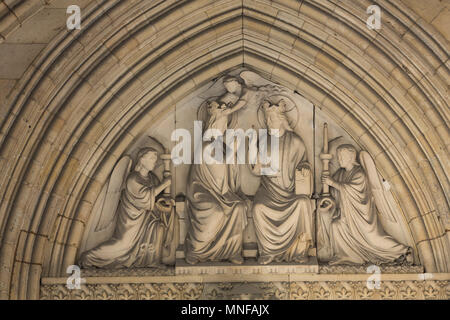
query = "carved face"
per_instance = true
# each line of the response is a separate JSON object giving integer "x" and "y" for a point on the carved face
{"x": 149, "y": 159}
{"x": 274, "y": 122}
{"x": 232, "y": 86}
{"x": 282, "y": 105}
{"x": 213, "y": 106}
{"x": 346, "y": 158}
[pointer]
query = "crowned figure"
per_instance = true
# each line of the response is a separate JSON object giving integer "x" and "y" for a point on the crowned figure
{"x": 283, "y": 219}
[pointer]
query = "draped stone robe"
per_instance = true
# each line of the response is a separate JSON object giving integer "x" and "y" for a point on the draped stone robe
{"x": 234, "y": 169}
{"x": 140, "y": 235}
{"x": 352, "y": 233}
{"x": 217, "y": 214}
{"x": 284, "y": 220}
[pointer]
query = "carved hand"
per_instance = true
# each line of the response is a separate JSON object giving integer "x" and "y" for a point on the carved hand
{"x": 167, "y": 182}
{"x": 304, "y": 168}
{"x": 252, "y": 88}
{"x": 305, "y": 171}
{"x": 257, "y": 168}
{"x": 325, "y": 205}
{"x": 164, "y": 184}
{"x": 327, "y": 180}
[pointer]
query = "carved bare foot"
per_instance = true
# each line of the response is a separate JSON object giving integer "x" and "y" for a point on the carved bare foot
{"x": 191, "y": 260}
{"x": 409, "y": 257}
{"x": 265, "y": 259}
{"x": 238, "y": 259}
{"x": 301, "y": 260}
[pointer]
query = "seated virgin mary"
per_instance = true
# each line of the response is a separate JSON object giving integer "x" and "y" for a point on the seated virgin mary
{"x": 216, "y": 212}
{"x": 350, "y": 231}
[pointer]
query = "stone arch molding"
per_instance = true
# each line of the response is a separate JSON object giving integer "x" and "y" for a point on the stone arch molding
{"x": 91, "y": 92}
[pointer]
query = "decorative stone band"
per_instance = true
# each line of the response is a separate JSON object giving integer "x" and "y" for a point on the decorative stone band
{"x": 384, "y": 269}
{"x": 284, "y": 287}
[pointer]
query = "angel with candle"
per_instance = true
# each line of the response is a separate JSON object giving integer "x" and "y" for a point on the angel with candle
{"x": 350, "y": 226}
{"x": 134, "y": 223}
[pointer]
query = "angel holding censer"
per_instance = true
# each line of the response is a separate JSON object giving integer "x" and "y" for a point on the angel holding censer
{"x": 352, "y": 211}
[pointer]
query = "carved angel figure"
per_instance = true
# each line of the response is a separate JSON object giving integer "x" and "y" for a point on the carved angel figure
{"x": 234, "y": 99}
{"x": 350, "y": 231}
{"x": 142, "y": 236}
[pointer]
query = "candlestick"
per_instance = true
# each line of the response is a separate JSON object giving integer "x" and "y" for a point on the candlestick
{"x": 325, "y": 157}
{"x": 166, "y": 158}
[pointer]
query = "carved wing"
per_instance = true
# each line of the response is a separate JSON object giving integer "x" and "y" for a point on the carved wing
{"x": 104, "y": 213}
{"x": 112, "y": 196}
{"x": 390, "y": 216}
{"x": 376, "y": 187}
{"x": 254, "y": 80}
{"x": 250, "y": 78}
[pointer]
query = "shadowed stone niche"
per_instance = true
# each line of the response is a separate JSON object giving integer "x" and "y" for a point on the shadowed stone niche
{"x": 228, "y": 149}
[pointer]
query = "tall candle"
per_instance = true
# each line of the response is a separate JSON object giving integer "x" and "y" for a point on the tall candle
{"x": 166, "y": 158}
{"x": 325, "y": 138}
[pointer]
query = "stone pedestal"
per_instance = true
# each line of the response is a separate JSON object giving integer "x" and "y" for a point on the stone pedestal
{"x": 250, "y": 250}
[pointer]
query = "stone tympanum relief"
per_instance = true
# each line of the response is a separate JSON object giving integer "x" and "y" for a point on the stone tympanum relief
{"x": 214, "y": 211}
{"x": 136, "y": 215}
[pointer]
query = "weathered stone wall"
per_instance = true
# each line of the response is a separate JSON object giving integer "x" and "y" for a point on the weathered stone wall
{"x": 72, "y": 101}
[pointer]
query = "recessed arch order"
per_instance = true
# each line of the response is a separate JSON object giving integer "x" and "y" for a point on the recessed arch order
{"x": 92, "y": 91}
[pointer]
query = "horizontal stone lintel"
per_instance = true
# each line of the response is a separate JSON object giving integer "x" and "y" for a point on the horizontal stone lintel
{"x": 253, "y": 278}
